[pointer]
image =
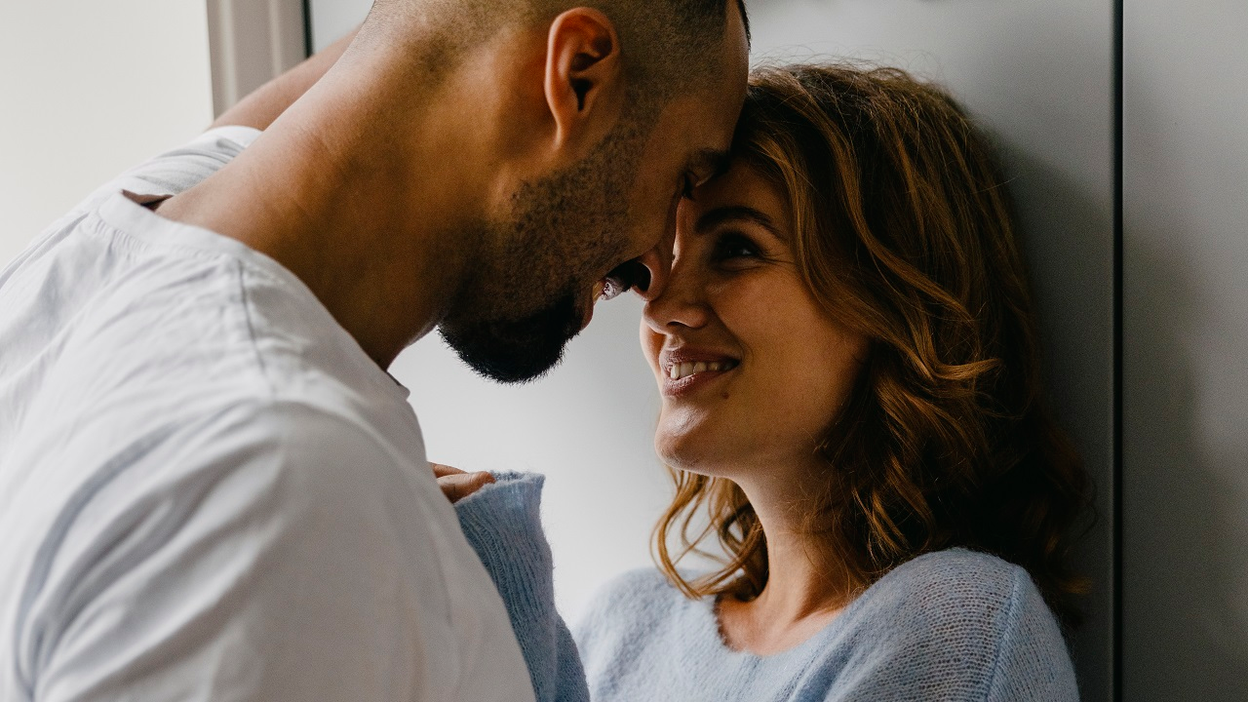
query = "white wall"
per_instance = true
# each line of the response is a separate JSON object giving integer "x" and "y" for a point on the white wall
{"x": 1185, "y": 351}
{"x": 87, "y": 89}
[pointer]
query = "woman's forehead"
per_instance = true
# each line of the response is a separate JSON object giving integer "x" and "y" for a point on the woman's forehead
{"x": 740, "y": 193}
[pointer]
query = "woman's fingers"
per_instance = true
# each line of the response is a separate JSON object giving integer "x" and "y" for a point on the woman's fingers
{"x": 440, "y": 470}
{"x": 457, "y": 485}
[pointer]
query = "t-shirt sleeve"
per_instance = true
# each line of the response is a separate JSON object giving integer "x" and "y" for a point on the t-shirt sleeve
{"x": 265, "y": 564}
{"x": 502, "y": 522}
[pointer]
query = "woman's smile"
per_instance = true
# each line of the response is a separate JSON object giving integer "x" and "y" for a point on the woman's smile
{"x": 690, "y": 369}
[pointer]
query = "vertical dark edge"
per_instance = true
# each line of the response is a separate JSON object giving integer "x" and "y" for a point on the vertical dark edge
{"x": 1117, "y": 489}
{"x": 307, "y": 28}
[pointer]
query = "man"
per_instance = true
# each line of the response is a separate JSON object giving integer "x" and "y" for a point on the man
{"x": 209, "y": 486}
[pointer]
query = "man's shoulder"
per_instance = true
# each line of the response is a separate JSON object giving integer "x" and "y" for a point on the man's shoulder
{"x": 178, "y": 169}
{"x": 252, "y": 459}
{"x": 304, "y": 452}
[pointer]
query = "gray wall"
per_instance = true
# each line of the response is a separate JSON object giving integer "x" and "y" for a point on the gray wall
{"x": 1185, "y": 351}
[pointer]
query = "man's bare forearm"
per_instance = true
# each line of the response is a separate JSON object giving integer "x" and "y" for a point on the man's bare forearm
{"x": 262, "y": 106}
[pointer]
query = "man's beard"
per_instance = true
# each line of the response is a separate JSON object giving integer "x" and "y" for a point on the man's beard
{"x": 520, "y": 350}
{"x": 567, "y": 227}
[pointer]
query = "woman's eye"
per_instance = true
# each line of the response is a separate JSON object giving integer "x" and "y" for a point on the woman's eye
{"x": 734, "y": 246}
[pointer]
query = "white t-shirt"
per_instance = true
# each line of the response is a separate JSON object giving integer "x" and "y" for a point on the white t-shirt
{"x": 207, "y": 490}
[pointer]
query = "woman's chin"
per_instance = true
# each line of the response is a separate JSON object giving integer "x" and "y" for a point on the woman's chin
{"x": 688, "y": 451}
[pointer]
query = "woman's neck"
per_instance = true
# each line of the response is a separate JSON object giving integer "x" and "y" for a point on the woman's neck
{"x": 807, "y": 585}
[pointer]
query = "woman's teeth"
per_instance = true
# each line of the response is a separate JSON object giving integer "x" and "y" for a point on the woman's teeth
{"x": 682, "y": 370}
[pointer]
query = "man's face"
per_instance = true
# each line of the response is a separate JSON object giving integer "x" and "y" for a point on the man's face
{"x": 570, "y": 229}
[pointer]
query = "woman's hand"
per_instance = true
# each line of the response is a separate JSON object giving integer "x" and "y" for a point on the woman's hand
{"x": 456, "y": 484}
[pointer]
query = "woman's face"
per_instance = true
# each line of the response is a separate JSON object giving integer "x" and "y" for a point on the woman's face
{"x": 751, "y": 370}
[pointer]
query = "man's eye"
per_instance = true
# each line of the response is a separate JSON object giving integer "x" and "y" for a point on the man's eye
{"x": 625, "y": 277}
{"x": 734, "y": 246}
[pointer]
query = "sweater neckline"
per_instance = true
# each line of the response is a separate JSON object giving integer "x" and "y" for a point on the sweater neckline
{"x": 708, "y": 612}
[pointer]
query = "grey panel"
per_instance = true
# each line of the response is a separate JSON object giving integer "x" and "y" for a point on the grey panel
{"x": 251, "y": 42}
{"x": 1185, "y": 351}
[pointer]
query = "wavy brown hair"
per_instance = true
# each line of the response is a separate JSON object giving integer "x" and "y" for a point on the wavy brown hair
{"x": 903, "y": 232}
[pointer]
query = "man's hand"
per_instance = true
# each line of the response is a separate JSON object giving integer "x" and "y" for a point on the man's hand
{"x": 456, "y": 484}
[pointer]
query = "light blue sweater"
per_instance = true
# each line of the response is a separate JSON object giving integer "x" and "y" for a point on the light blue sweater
{"x": 951, "y": 625}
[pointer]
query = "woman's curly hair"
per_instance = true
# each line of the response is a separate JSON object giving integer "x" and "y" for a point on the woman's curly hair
{"x": 903, "y": 232}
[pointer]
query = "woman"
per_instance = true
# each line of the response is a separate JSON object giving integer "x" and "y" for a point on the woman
{"x": 846, "y": 352}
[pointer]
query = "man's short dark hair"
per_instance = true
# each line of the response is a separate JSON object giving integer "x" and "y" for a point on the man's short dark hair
{"x": 668, "y": 45}
{"x": 671, "y": 44}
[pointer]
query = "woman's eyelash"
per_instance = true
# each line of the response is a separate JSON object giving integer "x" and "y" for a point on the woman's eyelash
{"x": 732, "y": 245}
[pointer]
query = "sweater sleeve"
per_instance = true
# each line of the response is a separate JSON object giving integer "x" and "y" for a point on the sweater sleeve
{"x": 503, "y": 524}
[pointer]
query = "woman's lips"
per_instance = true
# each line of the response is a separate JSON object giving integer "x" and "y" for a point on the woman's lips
{"x": 683, "y": 369}
{"x": 685, "y": 374}
{"x": 690, "y": 384}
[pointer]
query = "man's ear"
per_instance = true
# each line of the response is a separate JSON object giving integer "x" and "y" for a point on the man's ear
{"x": 584, "y": 74}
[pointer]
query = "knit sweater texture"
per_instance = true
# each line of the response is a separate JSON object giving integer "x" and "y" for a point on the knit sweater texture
{"x": 949, "y": 625}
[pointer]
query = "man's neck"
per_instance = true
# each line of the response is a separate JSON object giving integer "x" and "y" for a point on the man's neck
{"x": 371, "y": 225}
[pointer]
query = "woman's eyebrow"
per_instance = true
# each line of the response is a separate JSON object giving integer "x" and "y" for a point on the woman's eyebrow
{"x": 738, "y": 213}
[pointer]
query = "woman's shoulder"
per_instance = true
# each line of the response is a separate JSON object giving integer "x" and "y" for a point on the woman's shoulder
{"x": 955, "y": 584}
{"x": 977, "y": 608}
{"x": 960, "y": 569}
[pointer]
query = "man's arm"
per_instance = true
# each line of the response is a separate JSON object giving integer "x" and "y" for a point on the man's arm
{"x": 263, "y": 105}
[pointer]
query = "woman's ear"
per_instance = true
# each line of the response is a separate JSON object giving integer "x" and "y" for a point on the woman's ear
{"x": 584, "y": 80}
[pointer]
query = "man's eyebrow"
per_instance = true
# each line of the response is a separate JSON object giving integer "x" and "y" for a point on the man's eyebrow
{"x": 736, "y": 213}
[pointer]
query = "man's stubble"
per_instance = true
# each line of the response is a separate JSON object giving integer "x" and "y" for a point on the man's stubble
{"x": 520, "y": 309}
